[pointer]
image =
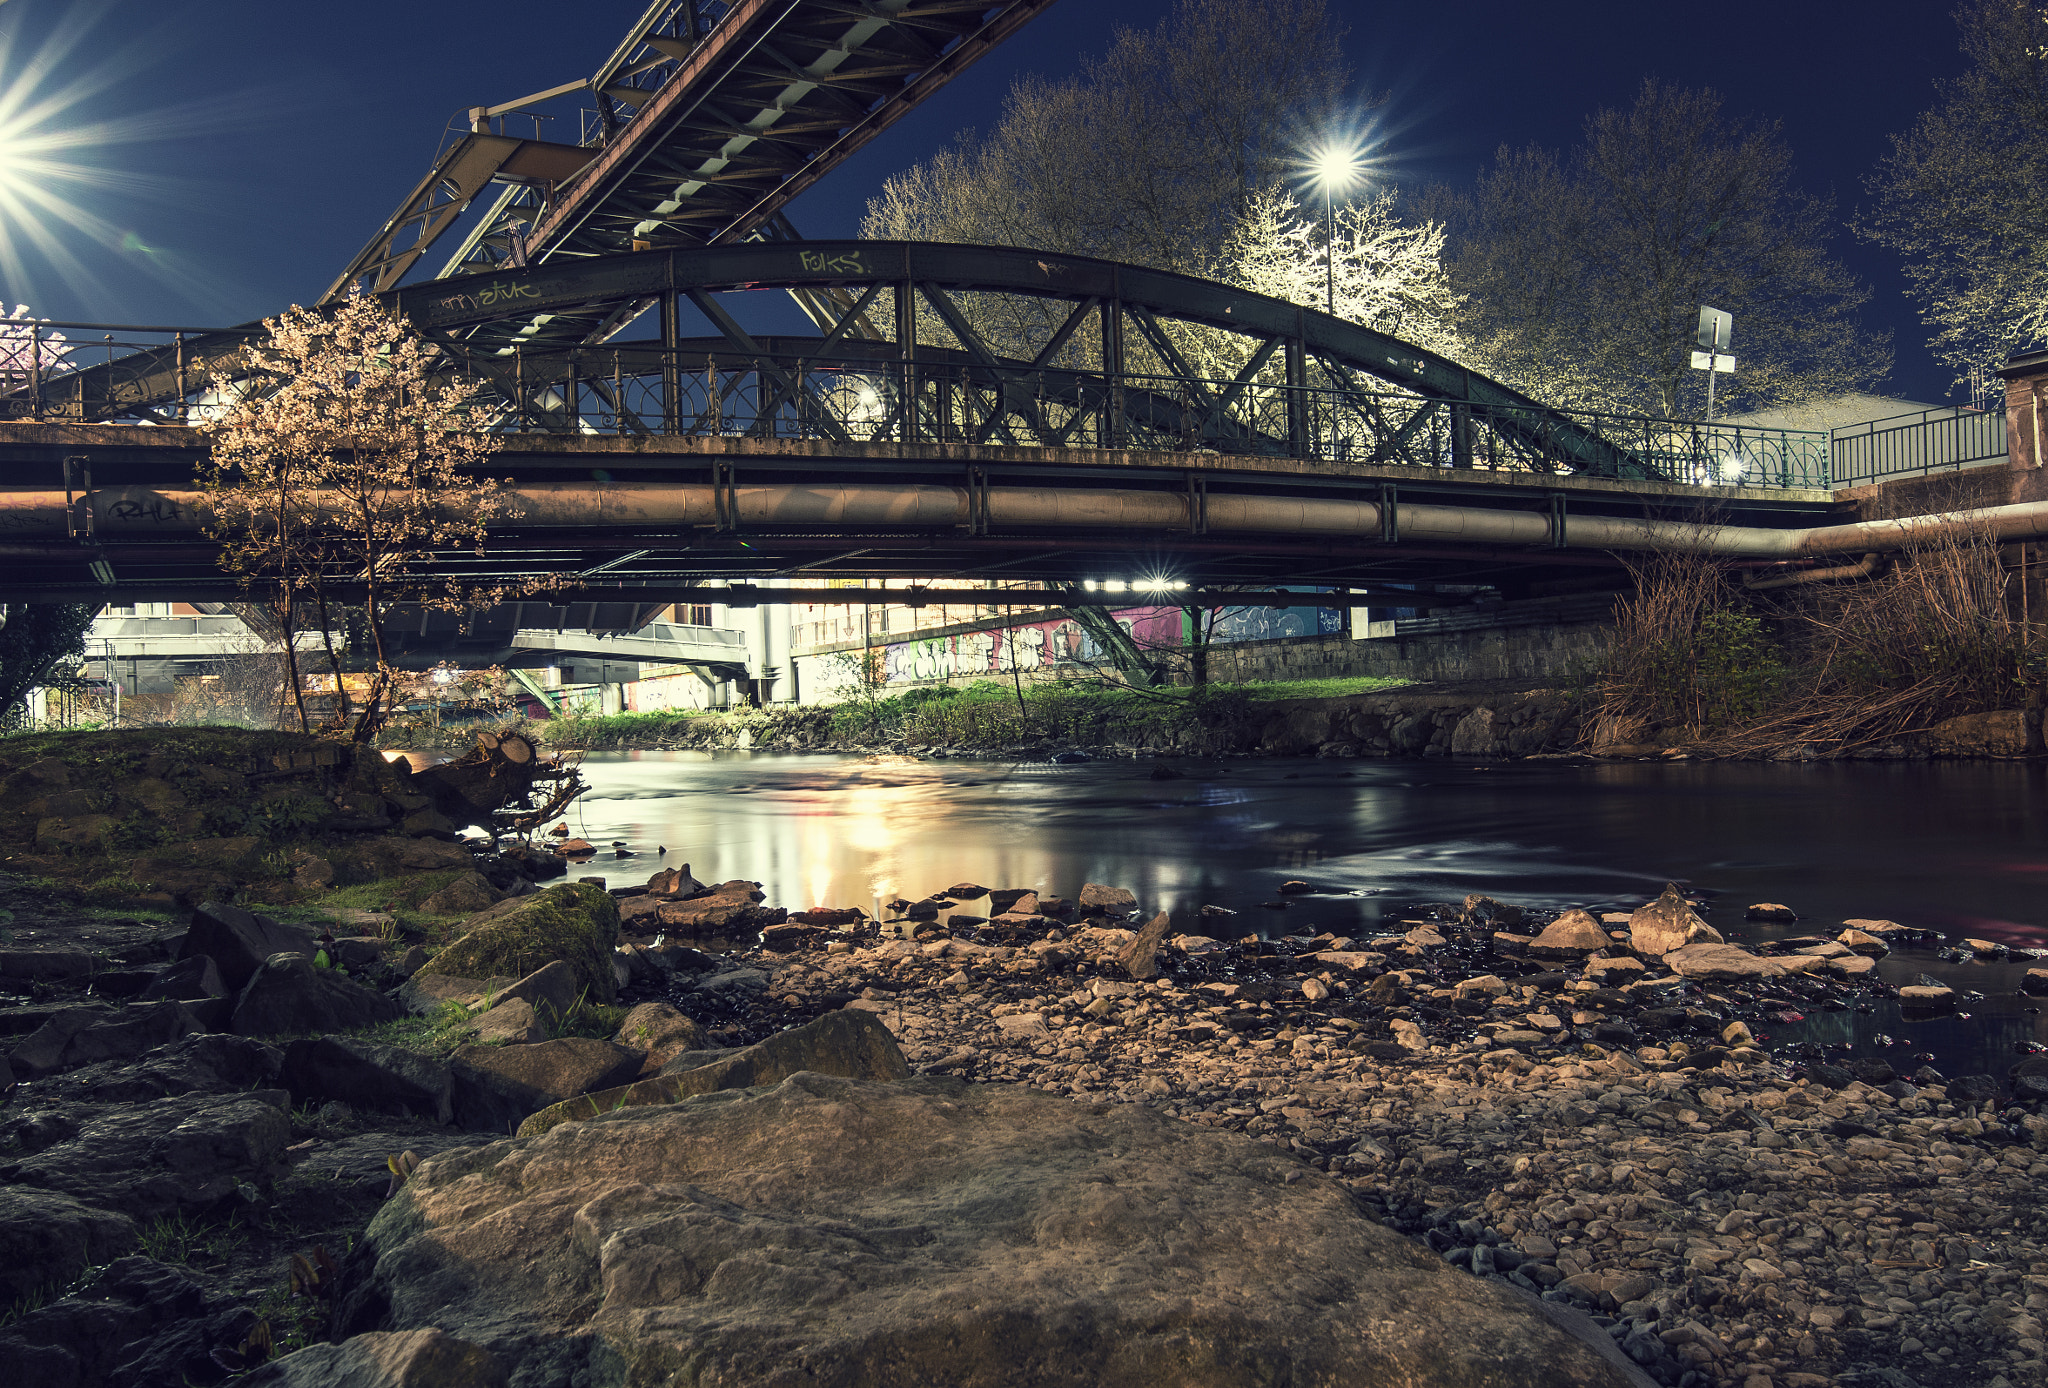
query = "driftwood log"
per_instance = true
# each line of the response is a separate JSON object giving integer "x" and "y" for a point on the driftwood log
{"x": 503, "y": 781}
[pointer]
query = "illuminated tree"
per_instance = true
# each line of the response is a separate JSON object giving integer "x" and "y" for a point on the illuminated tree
{"x": 1964, "y": 195}
{"x": 348, "y": 457}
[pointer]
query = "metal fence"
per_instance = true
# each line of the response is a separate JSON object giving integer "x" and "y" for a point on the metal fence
{"x": 1908, "y": 444}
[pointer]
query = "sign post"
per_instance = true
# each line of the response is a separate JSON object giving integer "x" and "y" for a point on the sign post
{"x": 1716, "y": 331}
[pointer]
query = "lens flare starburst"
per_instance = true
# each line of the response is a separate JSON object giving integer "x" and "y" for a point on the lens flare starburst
{"x": 61, "y": 147}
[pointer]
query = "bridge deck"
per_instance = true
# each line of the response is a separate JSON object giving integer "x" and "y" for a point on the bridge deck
{"x": 623, "y": 503}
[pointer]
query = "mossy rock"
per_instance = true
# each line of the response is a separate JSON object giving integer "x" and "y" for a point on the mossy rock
{"x": 573, "y": 922}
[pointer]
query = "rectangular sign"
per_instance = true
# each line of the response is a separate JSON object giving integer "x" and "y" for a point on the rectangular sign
{"x": 1717, "y": 329}
{"x": 1712, "y": 361}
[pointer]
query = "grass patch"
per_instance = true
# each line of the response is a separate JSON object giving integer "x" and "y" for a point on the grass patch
{"x": 179, "y": 1238}
{"x": 437, "y": 1033}
{"x": 1265, "y": 690}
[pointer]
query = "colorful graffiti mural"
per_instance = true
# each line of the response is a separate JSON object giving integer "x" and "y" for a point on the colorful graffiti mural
{"x": 1063, "y": 642}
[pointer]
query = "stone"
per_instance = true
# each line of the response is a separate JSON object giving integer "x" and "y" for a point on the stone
{"x": 1667, "y": 924}
{"x": 1851, "y": 966}
{"x": 1611, "y": 972}
{"x": 931, "y": 1232}
{"x": 292, "y": 994}
{"x": 851, "y": 1043}
{"x": 552, "y": 989}
{"x": 1973, "y": 1089}
{"x": 368, "y": 1077}
{"x": 497, "y": 1085}
{"x": 115, "y": 1332}
{"x": 1140, "y": 957}
{"x": 1770, "y": 911}
{"x": 1096, "y": 899}
{"x": 180, "y": 1154}
{"x": 45, "y": 965}
{"x": 82, "y": 1035}
{"x": 719, "y": 915}
{"x": 192, "y": 979}
{"x": 661, "y": 1032}
{"x": 1314, "y": 989}
{"x": 385, "y": 1359}
{"x": 2000, "y": 733}
{"x": 1988, "y": 949}
{"x": 73, "y": 833}
{"x": 1721, "y": 964}
{"x": 1864, "y": 943}
{"x": 510, "y": 1023}
{"x": 1927, "y": 997}
{"x": 201, "y": 1063}
{"x": 47, "y": 1238}
{"x": 1484, "y": 985}
{"x": 572, "y": 922}
{"x": 674, "y": 882}
{"x": 2035, "y": 981}
{"x": 238, "y": 941}
{"x": 465, "y": 896}
{"x": 1572, "y": 935}
{"x": 424, "y": 992}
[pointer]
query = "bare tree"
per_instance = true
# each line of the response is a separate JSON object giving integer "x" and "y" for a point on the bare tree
{"x": 348, "y": 457}
{"x": 1150, "y": 154}
{"x": 1586, "y": 272}
{"x": 1964, "y": 196}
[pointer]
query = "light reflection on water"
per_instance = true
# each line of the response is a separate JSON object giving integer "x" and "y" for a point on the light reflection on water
{"x": 1961, "y": 848}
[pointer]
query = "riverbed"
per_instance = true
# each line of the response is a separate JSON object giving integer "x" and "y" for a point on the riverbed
{"x": 1958, "y": 848}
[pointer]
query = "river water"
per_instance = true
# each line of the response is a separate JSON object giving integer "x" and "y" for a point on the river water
{"x": 1960, "y": 848}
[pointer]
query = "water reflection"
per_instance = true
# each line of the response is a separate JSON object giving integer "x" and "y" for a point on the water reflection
{"x": 1960, "y": 848}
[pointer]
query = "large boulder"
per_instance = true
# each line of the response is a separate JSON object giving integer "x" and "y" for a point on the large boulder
{"x": 850, "y": 1043}
{"x": 573, "y": 922}
{"x": 1722, "y": 964}
{"x": 659, "y": 1031}
{"x": 183, "y": 1154}
{"x": 1666, "y": 924}
{"x": 366, "y": 1076}
{"x": 1097, "y": 899}
{"x": 201, "y": 1063}
{"x": 290, "y": 993}
{"x": 405, "y": 1359}
{"x": 465, "y": 896}
{"x": 835, "y": 1231}
{"x": 47, "y": 1238}
{"x": 1573, "y": 935}
{"x": 498, "y": 1086}
{"x": 81, "y": 1035}
{"x": 238, "y": 941}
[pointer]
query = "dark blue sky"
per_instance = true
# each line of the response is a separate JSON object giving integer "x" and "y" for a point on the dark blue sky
{"x": 266, "y": 141}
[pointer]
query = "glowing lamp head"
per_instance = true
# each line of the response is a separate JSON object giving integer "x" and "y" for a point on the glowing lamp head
{"x": 1335, "y": 167}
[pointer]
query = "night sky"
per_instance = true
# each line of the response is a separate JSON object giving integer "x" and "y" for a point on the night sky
{"x": 259, "y": 144}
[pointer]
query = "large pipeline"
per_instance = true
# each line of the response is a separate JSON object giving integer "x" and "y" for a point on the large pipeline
{"x": 138, "y": 512}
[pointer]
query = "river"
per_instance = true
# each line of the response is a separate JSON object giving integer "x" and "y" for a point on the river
{"x": 1961, "y": 848}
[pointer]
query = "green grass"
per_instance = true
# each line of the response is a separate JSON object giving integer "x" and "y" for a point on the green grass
{"x": 438, "y": 1033}
{"x": 1264, "y": 690}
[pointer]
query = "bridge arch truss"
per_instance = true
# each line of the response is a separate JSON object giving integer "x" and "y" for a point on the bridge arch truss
{"x": 925, "y": 343}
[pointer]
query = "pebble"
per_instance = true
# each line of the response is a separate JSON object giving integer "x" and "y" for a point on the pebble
{"x": 1737, "y": 1222}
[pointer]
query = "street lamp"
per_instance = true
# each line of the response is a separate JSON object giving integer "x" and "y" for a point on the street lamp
{"x": 1336, "y": 168}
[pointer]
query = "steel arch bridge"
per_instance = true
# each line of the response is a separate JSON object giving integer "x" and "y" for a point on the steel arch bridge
{"x": 973, "y": 345}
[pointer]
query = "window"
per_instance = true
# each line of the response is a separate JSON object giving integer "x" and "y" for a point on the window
{"x": 700, "y": 616}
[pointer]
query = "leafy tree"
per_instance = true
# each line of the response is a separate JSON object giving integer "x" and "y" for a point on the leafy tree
{"x": 1585, "y": 272}
{"x": 347, "y": 457}
{"x": 38, "y": 640}
{"x": 1964, "y": 195}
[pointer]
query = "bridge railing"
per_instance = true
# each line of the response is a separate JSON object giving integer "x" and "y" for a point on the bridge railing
{"x": 866, "y": 392}
{"x": 1930, "y": 441}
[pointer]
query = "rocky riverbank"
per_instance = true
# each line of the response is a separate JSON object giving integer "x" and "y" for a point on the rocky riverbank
{"x": 1570, "y": 1109}
{"x": 496, "y": 1132}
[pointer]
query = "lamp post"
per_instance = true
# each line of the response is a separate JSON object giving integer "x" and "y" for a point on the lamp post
{"x": 1335, "y": 165}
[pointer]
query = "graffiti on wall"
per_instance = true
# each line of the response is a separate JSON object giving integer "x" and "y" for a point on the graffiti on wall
{"x": 1063, "y": 642}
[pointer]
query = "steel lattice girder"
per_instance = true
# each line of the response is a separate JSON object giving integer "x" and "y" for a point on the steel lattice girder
{"x": 715, "y": 116}
{"x": 527, "y": 303}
